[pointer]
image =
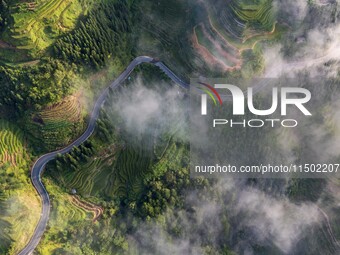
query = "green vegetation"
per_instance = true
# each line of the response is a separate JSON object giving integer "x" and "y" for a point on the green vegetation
{"x": 214, "y": 36}
{"x": 29, "y": 90}
{"x": 232, "y": 29}
{"x": 35, "y": 25}
{"x": 253, "y": 62}
{"x": 88, "y": 177}
{"x": 137, "y": 174}
{"x": 12, "y": 146}
{"x": 162, "y": 30}
{"x": 66, "y": 215}
{"x": 242, "y": 20}
{"x": 3, "y": 15}
{"x": 48, "y": 48}
{"x": 256, "y": 14}
{"x": 100, "y": 36}
{"x": 56, "y": 125}
{"x": 13, "y": 157}
{"x": 41, "y": 94}
{"x": 36, "y": 86}
{"x": 104, "y": 30}
{"x": 118, "y": 169}
{"x": 46, "y": 54}
{"x": 18, "y": 204}
{"x": 19, "y": 215}
{"x": 305, "y": 190}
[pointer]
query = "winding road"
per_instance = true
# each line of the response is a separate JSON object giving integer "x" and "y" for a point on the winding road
{"x": 40, "y": 164}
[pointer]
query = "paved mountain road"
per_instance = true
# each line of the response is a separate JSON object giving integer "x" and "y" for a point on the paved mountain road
{"x": 40, "y": 164}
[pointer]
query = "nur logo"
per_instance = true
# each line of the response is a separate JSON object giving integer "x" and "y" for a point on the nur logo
{"x": 288, "y": 95}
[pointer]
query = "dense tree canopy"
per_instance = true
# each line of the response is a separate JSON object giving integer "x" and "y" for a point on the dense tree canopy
{"x": 100, "y": 35}
{"x": 35, "y": 86}
{"x": 104, "y": 31}
{"x": 3, "y": 14}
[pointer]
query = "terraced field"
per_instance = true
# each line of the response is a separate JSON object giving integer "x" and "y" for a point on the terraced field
{"x": 255, "y": 16}
{"x": 119, "y": 170}
{"x": 215, "y": 49}
{"x": 91, "y": 180}
{"x": 213, "y": 36}
{"x": 53, "y": 126}
{"x": 12, "y": 145}
{"x": 131, "y": 167}
{"x": 69, "y": 109}
{"x": 63, "y": 214}
{"x": 36, "y": 23}
{"x": 87, "y": 206}
{"x": 19, "y": 205}
{"x": 232, "y": 27}
{"x": 241, "y": 20}
{"x": 113, "y": 174}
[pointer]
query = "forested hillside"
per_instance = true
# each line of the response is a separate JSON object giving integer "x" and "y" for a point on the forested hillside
{"x": 102, "y": 32}
{"x": 103, "y": 35}
{"x": 50, "y": 53}
{"x": 55, "y": 57}
{"x": 127, "y": 189}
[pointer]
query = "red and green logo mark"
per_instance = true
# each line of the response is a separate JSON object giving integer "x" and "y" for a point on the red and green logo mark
{"x": 210, "y": 90}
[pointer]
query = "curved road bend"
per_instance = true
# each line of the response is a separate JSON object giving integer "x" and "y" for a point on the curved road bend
{"x": 42, "y": 161}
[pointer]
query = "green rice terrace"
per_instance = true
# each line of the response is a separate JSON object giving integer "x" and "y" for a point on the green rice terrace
{"x": 232, "y": 27}
{"x": 119, "y": 168}
{"x": 216, "y": 33}
{"x": 67, "y": 213}
{"x": 56, "y": 125}
{"x": 112, "y": 167}
{"x": 12, "y": 146}
{"x": 35, "y": 24}
{"x": 19, "y": 204}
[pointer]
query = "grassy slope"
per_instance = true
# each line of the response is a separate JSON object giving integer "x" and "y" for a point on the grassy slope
{"x": 36, "y": 25}
{"x": 32, "y": 32}
{"x": 64, "y": 214}
{"x": 55, "y": 126}
{"x": 19, "y": 205}
{"x": 116, "y": 170}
